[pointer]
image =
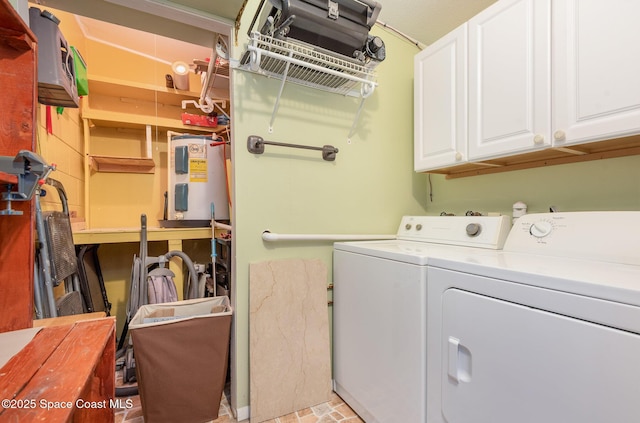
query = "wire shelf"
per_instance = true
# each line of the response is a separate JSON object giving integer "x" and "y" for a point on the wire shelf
{"x": 304, "y": 65}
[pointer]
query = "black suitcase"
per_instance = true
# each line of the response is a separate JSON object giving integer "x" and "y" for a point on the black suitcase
{"x": 340, "y": 26}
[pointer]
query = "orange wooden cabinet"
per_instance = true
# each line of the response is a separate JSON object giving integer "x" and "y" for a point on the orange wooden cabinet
{"x": 18, "y": 78}
{"x": 64, "y": 374}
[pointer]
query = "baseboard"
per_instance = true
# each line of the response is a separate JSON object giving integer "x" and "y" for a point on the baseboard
{"x": 242, "y": 413}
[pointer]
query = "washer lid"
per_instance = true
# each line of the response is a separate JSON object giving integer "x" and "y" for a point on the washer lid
{"x": 419, "y": 253}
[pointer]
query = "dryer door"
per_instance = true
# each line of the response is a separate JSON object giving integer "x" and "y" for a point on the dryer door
{"x": 504, "y": 362}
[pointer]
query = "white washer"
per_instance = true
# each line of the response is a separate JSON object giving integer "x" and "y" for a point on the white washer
{"x": 379, "y": 311}
{"x": 546, "y": 330}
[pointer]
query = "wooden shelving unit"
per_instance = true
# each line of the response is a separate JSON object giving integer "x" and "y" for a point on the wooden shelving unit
{"x": 118, "y": 103}
{"x": 122, "y": 164}
{"x": 18, "y": 49}
{"x": 126, "y": 125}
{"x": 120, "y": 235}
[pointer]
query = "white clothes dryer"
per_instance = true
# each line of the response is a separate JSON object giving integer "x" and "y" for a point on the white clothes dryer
{"x": 546, "y": 330}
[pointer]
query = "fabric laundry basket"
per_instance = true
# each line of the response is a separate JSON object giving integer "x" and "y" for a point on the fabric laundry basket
{"x": 181, "y": 351}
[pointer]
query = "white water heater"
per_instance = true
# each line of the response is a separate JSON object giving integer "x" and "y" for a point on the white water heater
{"x": 197, "y": 178}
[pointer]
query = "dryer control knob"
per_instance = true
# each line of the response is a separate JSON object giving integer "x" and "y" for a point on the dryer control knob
{"x": 473, "y": 229}
{"x": 541, "y": 229}
{"x": 407, "y": 226}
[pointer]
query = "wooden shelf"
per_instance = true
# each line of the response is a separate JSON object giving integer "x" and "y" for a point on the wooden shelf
{"x": 122, "y": 164}
{"x": 128, "y": 89}
{"x": 122, "y": 88}
{"x": 620, "y": 147}
{"x": 68, "y": 320}
{"x": 119, "y": 103}
{"x": 118, "y": 235}
{"x": 105, "y": 118}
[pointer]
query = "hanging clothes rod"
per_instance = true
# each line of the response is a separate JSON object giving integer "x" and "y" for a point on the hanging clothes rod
{"x": 272, "y": 237}
{"x": 255, "y": 145}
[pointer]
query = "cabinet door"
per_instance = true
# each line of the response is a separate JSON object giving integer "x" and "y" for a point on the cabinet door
{"x": 440, "y": 102}
{"x": 509, "y": 78}
{"x": 596, "y": 68}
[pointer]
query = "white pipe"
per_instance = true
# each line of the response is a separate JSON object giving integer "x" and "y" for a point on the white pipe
{"x": 222, "y": 226}
{"x": 148, "y": 141}
{"x": 208, "y": 83}
{"x": 402, "y": 34}
{"x": 270, "y": 236}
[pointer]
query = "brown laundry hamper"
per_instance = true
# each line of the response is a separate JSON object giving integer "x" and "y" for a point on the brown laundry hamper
{"x": 182, "y": 351}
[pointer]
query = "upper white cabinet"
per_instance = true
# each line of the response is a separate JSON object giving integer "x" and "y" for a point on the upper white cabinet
{"x": 595, "y": 70}
{"x": 440, "y": 102}
{"x": 532, "y": 83}
{"x": 510, "y": 78}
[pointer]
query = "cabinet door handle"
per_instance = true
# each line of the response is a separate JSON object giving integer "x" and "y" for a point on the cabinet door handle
{"x": 538, "y": 139}
{"x": 559, "y": 135}
{"x": 458, "y": 156}
{"x": 459, "y": 366}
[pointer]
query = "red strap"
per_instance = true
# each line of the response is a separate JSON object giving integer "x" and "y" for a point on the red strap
{"x": 49, "y": 124}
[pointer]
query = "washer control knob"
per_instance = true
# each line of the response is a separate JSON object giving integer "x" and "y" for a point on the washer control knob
{"x": 473, "y": 229}
{"x": 541, "y": 229}
{"x": 418, "y": 227}
{"x": 407, "y": 226}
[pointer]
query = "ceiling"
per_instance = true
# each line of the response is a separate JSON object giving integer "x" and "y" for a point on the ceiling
{"x": 177, "y": 20}
{"x": 427, "y": 20}
{"x": 157, "y": 47}
{"x": 187, "y": 25}
{"x": 193, "y": 20}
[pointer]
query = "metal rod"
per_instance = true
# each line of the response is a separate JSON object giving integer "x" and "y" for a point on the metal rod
{"x": 255, "y": 17}
{"x": 255, "y": 145}
{"x": 37, "y": 294}
{"x": 272, "y": 237}
{"x": 45, "y": 261}
{"x": 352, "y": 131}
{"x": 276, "y": 106}
{"x": 282, "y": 144}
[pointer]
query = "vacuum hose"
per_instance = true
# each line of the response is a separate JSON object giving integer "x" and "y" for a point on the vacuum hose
{"x": 190, "y": 290}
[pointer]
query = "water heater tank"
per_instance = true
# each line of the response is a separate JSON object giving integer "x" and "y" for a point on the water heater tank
{"x": 197, "y": 178}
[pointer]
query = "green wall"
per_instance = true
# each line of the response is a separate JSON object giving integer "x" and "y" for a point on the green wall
{"x": 371, "y": 184}
{"x": 610, "y": 184}
{"x": 367, "y": 189}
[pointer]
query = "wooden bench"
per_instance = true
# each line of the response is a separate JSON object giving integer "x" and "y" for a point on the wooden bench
{"x": 65, "y": 373}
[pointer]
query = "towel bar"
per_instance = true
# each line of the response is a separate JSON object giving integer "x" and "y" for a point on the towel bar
{"x": 255, "y": 145}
